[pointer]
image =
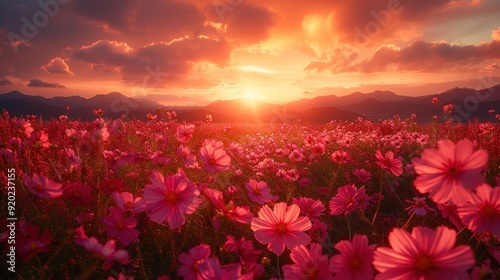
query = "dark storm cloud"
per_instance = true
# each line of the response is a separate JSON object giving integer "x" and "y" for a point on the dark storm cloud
{"x": 40, "y": 83}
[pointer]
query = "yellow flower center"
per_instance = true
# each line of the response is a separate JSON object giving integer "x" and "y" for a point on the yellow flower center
{"x": 33, "y": 246}
{"x": 38, "y": 187}
{"x": 129, "y": 204}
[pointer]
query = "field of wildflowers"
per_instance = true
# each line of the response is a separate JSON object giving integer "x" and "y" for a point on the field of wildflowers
{"x": 127, "y": 199}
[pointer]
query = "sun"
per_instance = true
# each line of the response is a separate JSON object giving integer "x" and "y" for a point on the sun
{"x": 250, "y": 94}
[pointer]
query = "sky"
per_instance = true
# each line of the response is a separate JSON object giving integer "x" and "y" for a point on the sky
{"x": 193, "y": 52}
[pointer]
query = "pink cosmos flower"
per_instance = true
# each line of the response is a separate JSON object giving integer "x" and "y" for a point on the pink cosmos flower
{"x": 318, "y": 232}
{"x": 24, "y": 126}
{"x": 42, "y": 186}
{"x": 318, "y": 149}
{"x": 240, "y": 214}
{"x": 448, "y": 108}
{"x": 32, "y": 243}
{"x": 296, "y": 156}
{"x": 188, "y": 159}
{"x": 127, "y": 202}
{"x": 190, "y": 261}
{"x": 170, "y": 198}
{"x": 308, "y": 263}
{"x": 482, "y": 213}
{"x": 244, "y": 248}
{"x": 310, "y": 207}
{"x": 106, "y": 252}
{"x": 281, "y": 227}
{"x": 355, "y": 259}
{"x": 211, "y": 269}
{"x": 425, "y": 254}
{"x": 340, "y": 157}
{"x": 184, "y": 133}
{"x": 450, "y": 211}
{"x": 259, "y": 191}
{"x": 214, "y": 159}
{"x": 362, "y": 175}
{"x": 123, "y": 228}
{"x": 418, "y": 206}
{"x": 450, "y": 172}
{"x": 387, "y": 161}
{"x": 348, "y": 199}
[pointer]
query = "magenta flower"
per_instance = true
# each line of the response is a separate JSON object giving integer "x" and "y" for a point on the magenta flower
{"x": 308, "y": 263}
{"x": 170, "y": 198}
{"x": 387, "y": 161}
{"x": 106, "y": 252}
{"x": 482, "y": 213}
{"x": 214, "y": 159}
{"x": 42, "y": 186}
{"x": 355, "y": 259}
{"x": 123, "y": 228}
{"x": 362, "y": 175}
{"x": 348, "y": 199}
{"x": 450, "y": 172}
{"x": 184, "y": 133}
{"x": 425, "y": 254}
{"x": 190, "y": 261}
{"x": 259, "y": 191}
{"x": 281, "y": 227}
{"x": 310, "y": 207}
{"x": 127, "y": 202}
{"x": 32, "y": 244}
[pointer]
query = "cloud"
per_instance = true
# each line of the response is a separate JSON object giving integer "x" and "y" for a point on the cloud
{"x": 4, "y": 82}
{"x": 420, "y": 56}
{"x": 57, "y": 66}
{"x": 248, "y": 24}
{"x": 157, "y": 63}
{"x": 495, "y": 34}
{"x": 40, "y": 83}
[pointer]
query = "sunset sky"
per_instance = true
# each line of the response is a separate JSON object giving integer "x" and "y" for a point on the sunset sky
{"x": 192, "y": 52}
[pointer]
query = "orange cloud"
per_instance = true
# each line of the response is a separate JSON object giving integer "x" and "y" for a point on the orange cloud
{"x": 57, "y": 66}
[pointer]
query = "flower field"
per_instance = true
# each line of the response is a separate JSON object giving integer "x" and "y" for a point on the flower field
{"x": 128, "y": 199}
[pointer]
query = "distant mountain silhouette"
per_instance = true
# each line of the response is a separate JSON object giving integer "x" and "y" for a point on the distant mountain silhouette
{"x": 375, "y": 106}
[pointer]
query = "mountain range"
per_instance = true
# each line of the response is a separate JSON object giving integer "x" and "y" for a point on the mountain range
{"x": 378, "y": 105}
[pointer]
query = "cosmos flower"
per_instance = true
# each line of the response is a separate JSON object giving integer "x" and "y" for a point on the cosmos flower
{"x": 387, "y": 161}
{"x": 310, "y": 207}
{"x": 348, "y": 199}
{"x": 190, "y": 261}
{"x": 42, "y": 186}
{"x": 482, "y": 213}
{"x": 121, "y": 227}
{"x": 170, "y": 198}
{"x": 184, "y": 133}
{"x": 425, "y": 254}
{"x": 355, "y": 259}
{"x": 308, "y": 263}
{"x": 259, "y": 191}
{"x": 281, "y": 227}
{"x": 214, "y": 159}
{"x": 450, "y": 172}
